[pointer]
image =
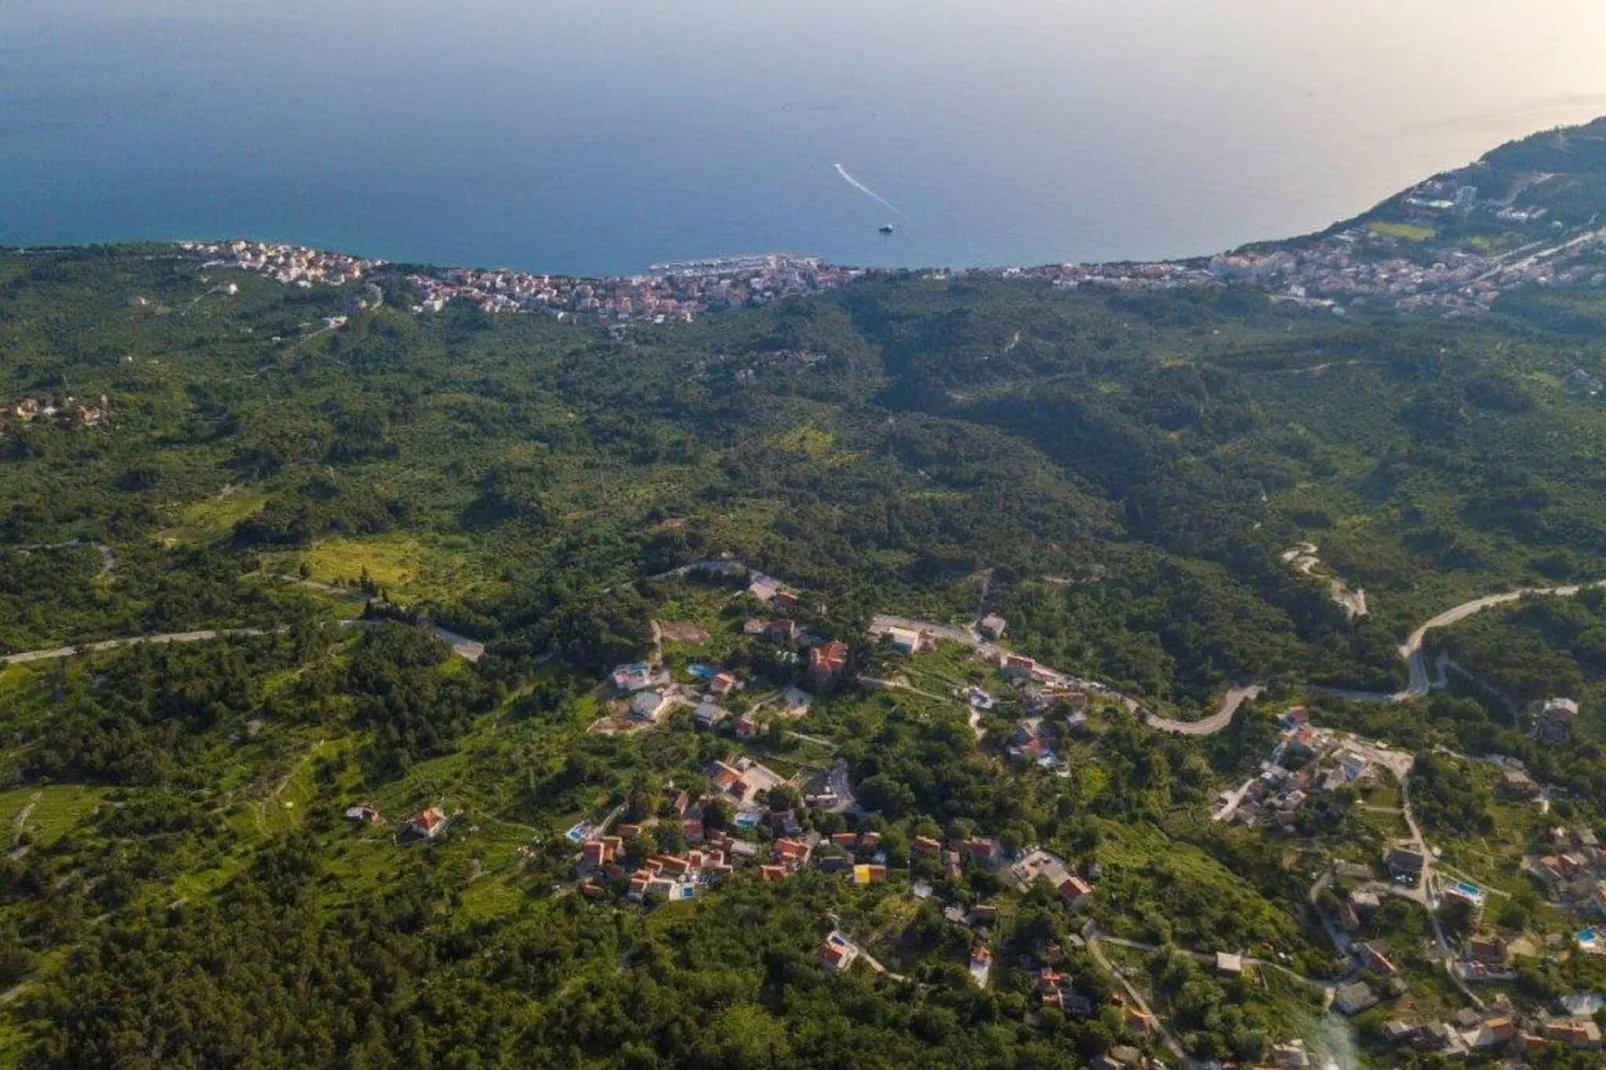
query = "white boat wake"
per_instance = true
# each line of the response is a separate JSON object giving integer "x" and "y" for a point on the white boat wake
{"x": 868, "y": 192}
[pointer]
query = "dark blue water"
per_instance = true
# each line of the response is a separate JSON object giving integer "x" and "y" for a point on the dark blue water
{"x": 598, "y": 137}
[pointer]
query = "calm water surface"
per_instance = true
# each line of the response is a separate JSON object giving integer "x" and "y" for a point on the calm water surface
{"x": 600, "y": 136}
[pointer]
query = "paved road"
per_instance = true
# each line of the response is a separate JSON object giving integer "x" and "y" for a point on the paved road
{"x": 1420, "y": 682}
{"x": 56, "y": 653}
{"x": 463, "y": 647}
{"x": 1133, "y": 994}
{"x": 1214, "y": 723}
{"x": 1411, "y": 649}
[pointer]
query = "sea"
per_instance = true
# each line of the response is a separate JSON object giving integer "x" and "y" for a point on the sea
{"x": 602, "y": 137}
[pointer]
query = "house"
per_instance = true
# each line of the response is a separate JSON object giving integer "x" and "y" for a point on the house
{"x": 747, "y": 726}
{"x": 427, "y": 823}
{"x": 785, "y": 823}
{"x": 1554, "y": 721}
{"x": 1398, "y": 1032}
{"x": 981, "y": 964}
{"x": 848, "y": 841}
{"x": 723, "y": 684}
{"x": 753, "y": 628}
{"x": 1229, "y": 965}
{"x": 782, "y": 630}
{"x": 769, "y": 874}
{"x": 992, "y": 626}
{"x": 1075, "y": 891}
{"x": 982, "y": 849}
{"x": 1290, "y": 1056}
{"x": 1375, "y": 958}
{"x": 832, "y": 863}
{"x": 1495, "y": 1031}
{"x": 873, "y": 873}
{"x": 650, "y": 707}
{"x": 1352, "y": 999}
{"x": 708, "y": 715}
{"x": 1517, "y": 784}
{"x": 909, "y": 641}
{"x": 795, "y": 701}
{"x": 827, "y": 661}
{"x": 1573, "y": 1032}
{"x": 364, "y": 812}
{"x": 1490, "y": 950}
{"x": 838, "y": 952}
{"x": 630, "y": 678}
{"x": 673, "y": 865}
{"x": 926, "y": 845}
{"x": 1405, "y": 861}
{"x": 1016, "y": 666}
{"x": 791, "y": 853}
{"x": 1139, "y": 1021}
{"x": 597, "y": 853}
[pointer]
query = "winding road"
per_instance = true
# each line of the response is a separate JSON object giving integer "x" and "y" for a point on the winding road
{"x": 1420, "y": 682}
{"x": 56, "y": 653}
{"x": 1216, "y": 721}
{"x": 1411, "y": 649}
{"x": 463, "y": 647}
{"x": 108, "y": 557}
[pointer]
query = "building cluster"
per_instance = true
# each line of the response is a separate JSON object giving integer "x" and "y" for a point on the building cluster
{"x": 1553, "y": 720}
{"x": 677, "y": 293}
{"x": 1573, "y": 875}
{"x": 290, "y": 264}
{"x": 68, "y": 410}
{"x": 1075, "y": 890}
{"x": 1306, "y": 764}
{"x": 1055, "y": 990}
{"x": 745, "y": 367}
{"x": 1370, "y": 263}
{"x": 1373, "y": 264}
{"x": 1496, "y": 1030}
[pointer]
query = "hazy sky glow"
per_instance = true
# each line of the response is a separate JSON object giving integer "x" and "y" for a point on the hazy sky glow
{"x": 604, "y": 135}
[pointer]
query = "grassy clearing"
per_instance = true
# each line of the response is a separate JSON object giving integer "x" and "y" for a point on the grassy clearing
{"x": 816, "y": 443}
{"x": 1403, "y": 231}
{"x": 408, "y": 567}
{"x": 214, "y": 518}
{"x": 56, "y": 809}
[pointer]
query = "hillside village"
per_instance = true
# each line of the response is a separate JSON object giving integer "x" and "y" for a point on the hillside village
{"x": 746, "y": 820}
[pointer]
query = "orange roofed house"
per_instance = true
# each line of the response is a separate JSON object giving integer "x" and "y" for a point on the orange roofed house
{"x": 826, "y": 662}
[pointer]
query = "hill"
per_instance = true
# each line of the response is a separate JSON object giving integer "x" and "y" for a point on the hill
{"x": 393, "y": 554}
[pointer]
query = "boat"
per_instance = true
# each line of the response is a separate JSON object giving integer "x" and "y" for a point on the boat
{"x": 887, "y": 228}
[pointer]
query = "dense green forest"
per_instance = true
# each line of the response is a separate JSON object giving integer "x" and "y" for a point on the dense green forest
{"x": 1121, "y": 476}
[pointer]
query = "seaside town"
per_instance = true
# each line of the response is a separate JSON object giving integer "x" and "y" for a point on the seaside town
{"x": 1369, "y": 265}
